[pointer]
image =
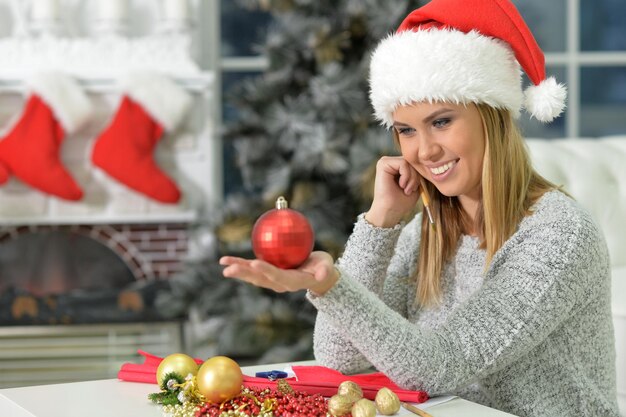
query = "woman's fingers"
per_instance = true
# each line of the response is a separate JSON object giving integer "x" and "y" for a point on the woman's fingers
{"x": 409, "y": 178}
{"x": 238, "y": 270}
{"x": 242, "y": 270}
{"x": 263, "y": 274}
{"x": 250, "y": 276}
{"x": 231, "y": 260}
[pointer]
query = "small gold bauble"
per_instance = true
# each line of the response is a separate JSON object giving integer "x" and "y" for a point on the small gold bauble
{"x": 219, "y": 379}
{"x": 363, "y": 408}
{"x": 339, "y": 405}
{"x": 179, "y": 363}
{"x": 387, "y": 401}
{"x": 351, "y": 390}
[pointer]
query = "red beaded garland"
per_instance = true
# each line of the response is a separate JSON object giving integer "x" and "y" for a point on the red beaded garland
{"x": 282, "y": 236}
{"x": 296, "y": 404}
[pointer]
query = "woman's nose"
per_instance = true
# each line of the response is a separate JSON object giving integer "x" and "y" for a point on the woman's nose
{"x": 428, "y": 149}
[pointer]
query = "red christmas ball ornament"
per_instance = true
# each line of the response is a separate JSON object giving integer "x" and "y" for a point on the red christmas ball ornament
{"x": 282, "y": 236}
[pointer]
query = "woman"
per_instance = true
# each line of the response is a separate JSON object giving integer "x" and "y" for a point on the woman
{"x": 505, "y": 299}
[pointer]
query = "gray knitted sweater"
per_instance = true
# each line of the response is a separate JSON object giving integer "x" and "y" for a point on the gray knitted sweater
{"x": 532, "y": 336}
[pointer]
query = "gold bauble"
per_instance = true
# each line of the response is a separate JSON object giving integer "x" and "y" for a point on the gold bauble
{"x": 387, "y": 401}
{"x": 219, "y": 379}
{"x": 179, "y": 363}
{"x": 351, "y": 390}
{"x": 363, "y": 408}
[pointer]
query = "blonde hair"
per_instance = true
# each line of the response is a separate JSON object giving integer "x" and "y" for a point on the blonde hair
{"x": 510, "y": 186}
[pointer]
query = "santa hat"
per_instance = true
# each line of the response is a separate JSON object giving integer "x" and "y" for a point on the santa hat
{"x": 463, "y": 51}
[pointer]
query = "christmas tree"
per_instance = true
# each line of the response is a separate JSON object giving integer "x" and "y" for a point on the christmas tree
{"x": 305, "y": 131}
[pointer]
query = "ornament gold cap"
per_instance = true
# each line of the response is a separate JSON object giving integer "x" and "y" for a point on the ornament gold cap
{"x": 281, "y": 203}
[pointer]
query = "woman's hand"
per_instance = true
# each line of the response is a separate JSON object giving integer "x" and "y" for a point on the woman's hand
{"x": 317, "y": 274}
{"x": 395, "y": 191}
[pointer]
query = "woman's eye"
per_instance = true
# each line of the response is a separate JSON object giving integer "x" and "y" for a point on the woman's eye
{"x": 405, "y": 130}
{"x": 439, "y": 123}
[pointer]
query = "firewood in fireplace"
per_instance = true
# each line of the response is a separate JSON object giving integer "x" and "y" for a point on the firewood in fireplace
{"x": 51, "y": 302}
{"x": 130, "y": 301}
{"x": 24, "y": 305}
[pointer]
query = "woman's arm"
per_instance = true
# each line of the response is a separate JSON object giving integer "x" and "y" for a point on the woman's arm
{"x": 369, "y": 258}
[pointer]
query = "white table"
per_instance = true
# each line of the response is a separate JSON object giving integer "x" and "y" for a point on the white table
{"x": 115, "y": 398}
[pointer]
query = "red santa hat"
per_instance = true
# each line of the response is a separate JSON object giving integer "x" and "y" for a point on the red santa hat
{"x": 463, "y": 51}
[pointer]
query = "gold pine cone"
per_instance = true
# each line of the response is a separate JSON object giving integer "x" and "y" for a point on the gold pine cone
{"x": 387, "y": 401}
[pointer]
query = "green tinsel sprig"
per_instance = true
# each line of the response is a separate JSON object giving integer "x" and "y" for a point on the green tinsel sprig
{"x": 171, "y": 386}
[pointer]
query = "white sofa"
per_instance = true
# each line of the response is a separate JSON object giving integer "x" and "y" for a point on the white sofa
{"x": 593, "y": 171}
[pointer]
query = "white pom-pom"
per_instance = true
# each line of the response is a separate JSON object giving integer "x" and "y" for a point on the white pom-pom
{"x": 546, "y": 100}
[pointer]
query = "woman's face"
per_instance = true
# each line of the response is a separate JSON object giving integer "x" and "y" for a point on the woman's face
{"x": 445, "y": 143}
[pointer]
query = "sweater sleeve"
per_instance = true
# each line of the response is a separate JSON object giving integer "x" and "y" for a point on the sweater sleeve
{"x": 370, "y": 259}
{"x": 534, "y": 283}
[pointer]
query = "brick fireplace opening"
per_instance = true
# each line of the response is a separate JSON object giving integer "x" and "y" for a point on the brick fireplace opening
{"x": 77, "y": 301}
{"x": 86, "y": 273}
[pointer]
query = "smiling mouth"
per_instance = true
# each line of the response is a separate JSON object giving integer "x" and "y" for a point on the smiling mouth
{"x": 443, "y": 168}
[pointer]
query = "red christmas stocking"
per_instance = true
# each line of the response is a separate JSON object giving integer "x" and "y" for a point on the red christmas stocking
{"x": 31, "y": 149}
{"x": 4, "y": 174}
{"x": 151, "y": 104}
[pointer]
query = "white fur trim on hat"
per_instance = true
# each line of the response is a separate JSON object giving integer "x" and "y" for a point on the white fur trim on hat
{"x": 545, "y": 101}
{"x": 443, "y": 65}
{"x": 160, "y": 96}
{"x": 64, "y": 95}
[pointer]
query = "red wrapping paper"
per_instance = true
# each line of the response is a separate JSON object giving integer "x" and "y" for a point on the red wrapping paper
{"x": 310, "y": 379}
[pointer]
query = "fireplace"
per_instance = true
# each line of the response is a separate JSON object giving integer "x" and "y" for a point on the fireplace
{"x": 77, "y": 301}
{"x": 101, "y": 259}
{"x": 81, "y": 274}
